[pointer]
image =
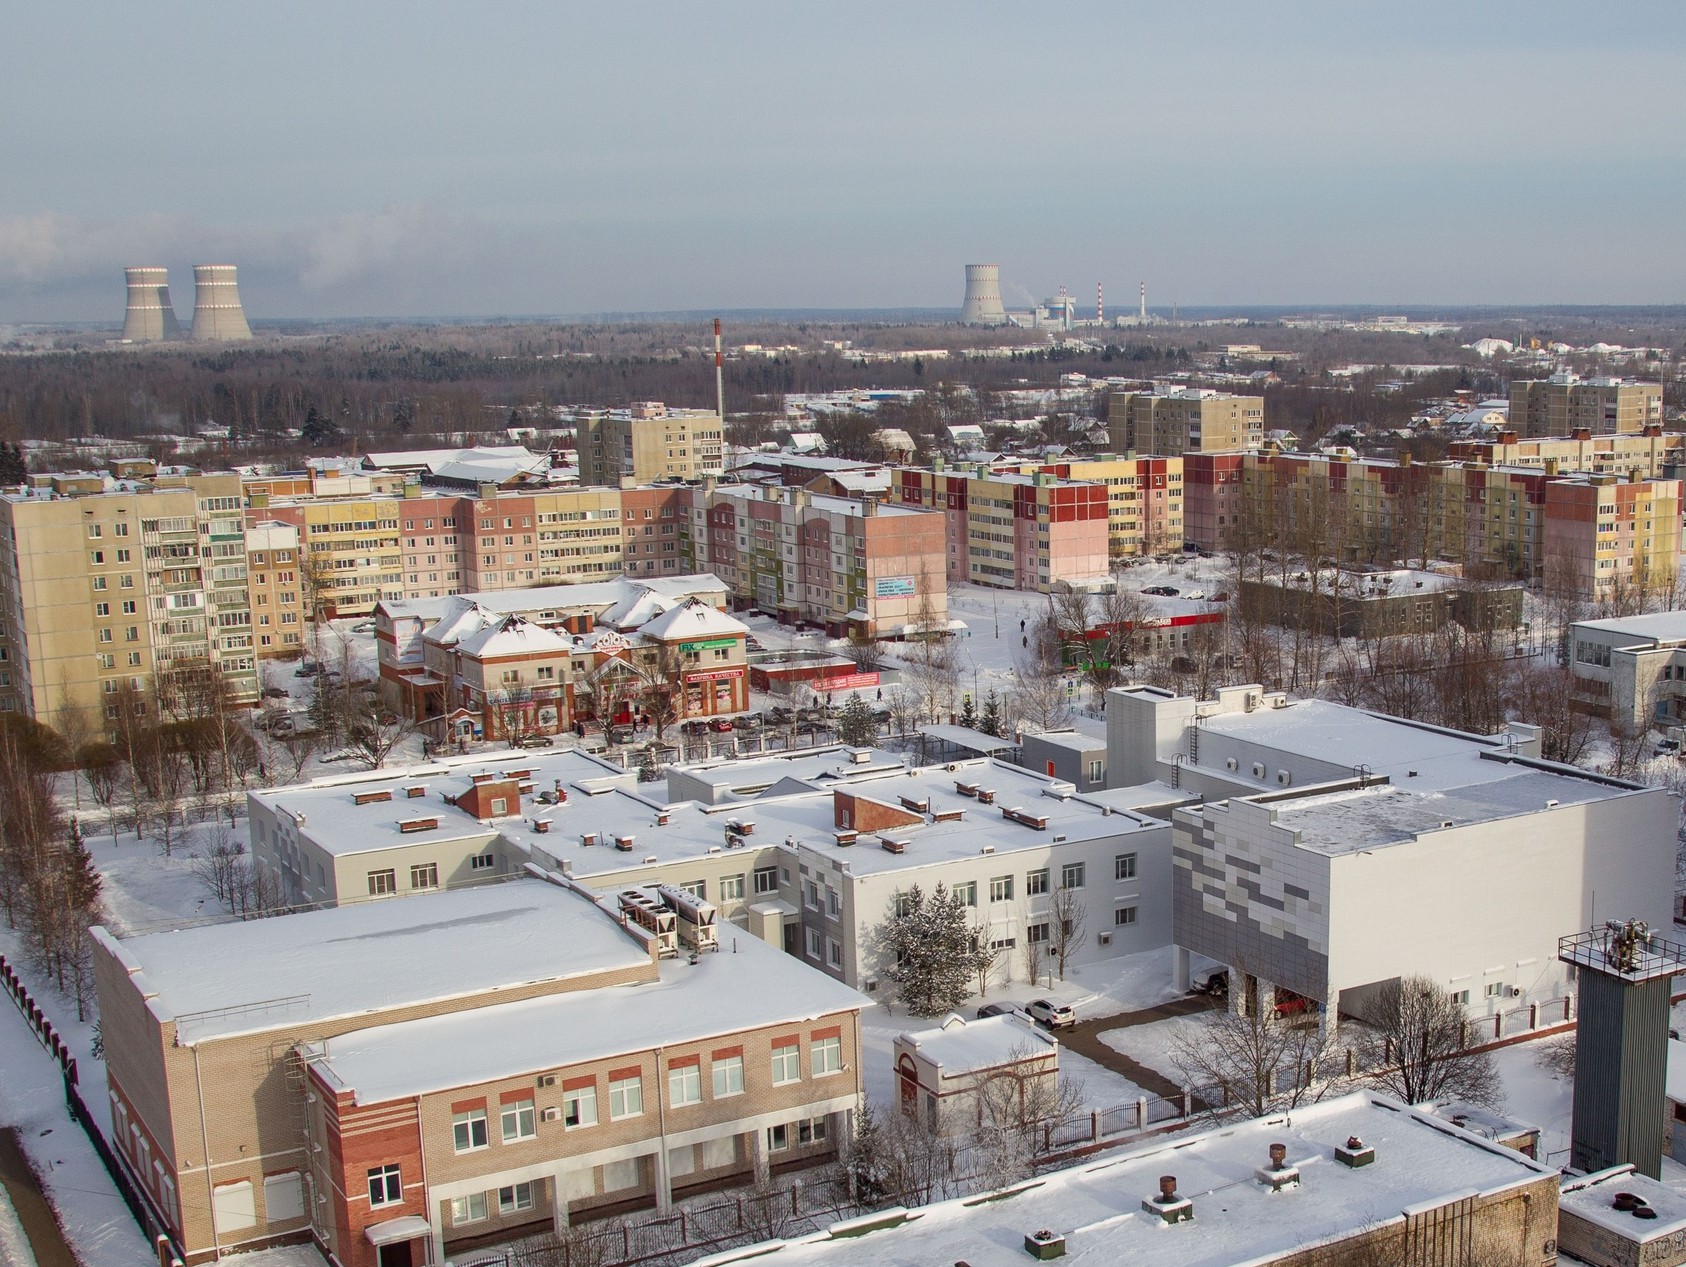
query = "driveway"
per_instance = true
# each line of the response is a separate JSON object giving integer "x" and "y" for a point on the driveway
{"x": 1084, "y": 1038}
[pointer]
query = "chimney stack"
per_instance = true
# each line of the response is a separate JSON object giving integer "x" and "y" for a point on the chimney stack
{"x": 1168, "y": 1205}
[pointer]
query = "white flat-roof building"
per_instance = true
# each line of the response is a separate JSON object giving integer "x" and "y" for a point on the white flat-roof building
{"x": 1363, "y": 1179}
{"x": 1338, "y": 850}
{"x": 946, "y": 1073}
{"x": 1631, "y": 669}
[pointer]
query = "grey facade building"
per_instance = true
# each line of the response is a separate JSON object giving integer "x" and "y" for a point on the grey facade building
{"x": 1077, "y": 758}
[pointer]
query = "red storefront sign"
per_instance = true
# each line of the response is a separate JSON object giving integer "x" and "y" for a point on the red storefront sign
{"x": 848, "y": 682}
{"x": 714, "y": 676}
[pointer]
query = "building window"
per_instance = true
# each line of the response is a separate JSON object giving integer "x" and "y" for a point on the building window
{"x": 1124, "y": 867}
{"x": 516, "y": 1197}
{"x": 1460, "y": 996}
{"x": 967, "y": 892}
{"x": 778, "y": 1138}
{"x": 1123, "y": 916}
{"x": 1095, "y": 770}
{"x": 386, "y": 1186}
{"x": 767, "y": 880}
{"x": 728, "y": 1075}
{"x": 816, "y": 943}
{"x": 424, "y": 875}
{"x": 1036, "y": 883}
{"x": 731, "y": 888}
{"x": 1071, "y": 875}
{"x": 787, "y": 1062}
{"x": 1494, "y": 989}
{"x": 518, "y": 1120}
{"x": 579, "y": 1104}
{"x": 482, "y": 862}
{"x": 468, "y": 1130}
{"x": 500, "y": 806}
{"x": 697, "y": 889}
{"x": 826, "y": 1055}
{"x": 383, "y": 882}
{"x": 626, "y": 1097}
{"x": 1001, "y": 889}
{"x": 469, "y": 1209}
{"x": 1036, "y": 934}
{"x": 834, "y": 952}
{"x": 684, "y": 1084}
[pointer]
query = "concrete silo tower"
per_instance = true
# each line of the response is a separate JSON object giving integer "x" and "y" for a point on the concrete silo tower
{"x": 149, "y": 316}
{"x": 216, "y": 304}
{"x": 982, "y": 306}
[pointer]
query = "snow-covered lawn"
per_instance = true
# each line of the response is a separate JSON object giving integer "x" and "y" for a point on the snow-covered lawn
{"x": 1155, "y": 1044}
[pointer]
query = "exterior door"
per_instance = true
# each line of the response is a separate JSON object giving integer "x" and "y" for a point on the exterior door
{"x": 396, "y": 1254}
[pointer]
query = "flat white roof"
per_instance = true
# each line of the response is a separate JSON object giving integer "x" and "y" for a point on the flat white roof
{"x": 246, "y": 976}
{"x": 746, "y": 984}
{"x": 1655, "y": 627}
{"x": 1420, "y": 1162}
{"x": 753, "y": 775}
{"x": 1592, "y": 1198}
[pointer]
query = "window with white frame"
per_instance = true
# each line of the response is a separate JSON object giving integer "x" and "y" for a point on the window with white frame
{"x": 787, "y": 1062}
{"x": 816, "y": 942}
{"x": 424, "y": 875}
{"x": 1123, "y": 916}
{"x": 684, "y": 1084}
{"x": 767, "y": 880}
{"x": 518, "y": 1119}
{"x": 1036, "y": 883}
{"x": 1036, "y": 934}
{"x": 731, "y": 888}
{"x": 579, "y": 1103}
{"x": 382, "y": 883}
{"x": 469, "y": 1209}
{"x": 386, "y": 1186}
{"x": 825, "y": 1055}
{"x": 1001, "y": 888}
{"x": 1124, "y": 866}
{"x": 468, "y": 1130}
{"x": 515, "y": 1197}
{"x": 1072, "y": 875}
{"x": 728, "y": 1074}
{"x": 966, "y": 892}
{"x": 626, "y": 1096}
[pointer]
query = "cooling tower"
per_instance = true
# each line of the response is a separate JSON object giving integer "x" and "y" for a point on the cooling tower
{"x": 216, "y": 304}
{"x": 983, "y": 297}
{"x": 149, "y": 316}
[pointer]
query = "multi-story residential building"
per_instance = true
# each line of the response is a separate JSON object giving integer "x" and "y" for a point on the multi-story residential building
{"x": 105, "y": 582}
{"x": 268, "y": 1083}
{"x": 1336, "y": 850}
{"x": 1652, "y": 452}
{"x": 1144, "y": 495}
{"x": 1014, "y": 531}
{"x": 1606, "y": 536}
{"x": 648, "y": 442}
{"x": 856, "y": 567}
{"x": 1180, "y": 420}
{"x": 351, "y": 556}
{"x": 813, "y": 864}
{"x": 1214, "y": 498}
{"x": 1368, "y": 1180}
{"x": 1566, "y": 403}
{"x": 1631, "y": 669}
{"x": 279, "y": 618}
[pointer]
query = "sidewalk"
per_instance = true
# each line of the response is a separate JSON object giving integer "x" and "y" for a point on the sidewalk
{"x": 1084, "y": 1039}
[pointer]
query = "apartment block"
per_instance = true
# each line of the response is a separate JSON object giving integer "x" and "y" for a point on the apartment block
{"x": 1179, "y": 420}
{"x": 1144, "y": 497}
{"x": 1652, "y": 452}
{"x": 1606, "y": 536}
{"x": 1015, "y": 531}
{"x": 105, "y": 582}
{"x": 352, "y": 556}
{"x": 1214, "y": 499}
{"x": 279, "y": 617}
{"x": 1566, "y": 403}
{"x": 851, "y": 566}
{"x": 648, "y": 442}
{"x": 266, "y": 1084}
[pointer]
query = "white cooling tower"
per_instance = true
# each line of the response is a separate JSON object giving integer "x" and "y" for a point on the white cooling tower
{"x": 982, "y": 306}
{"x": 149, "y": 316}
{"x": 216, "y": 304}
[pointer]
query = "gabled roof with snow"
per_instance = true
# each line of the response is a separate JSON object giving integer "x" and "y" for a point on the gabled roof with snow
{"x": 462, "y": 618}
{"x": 694, "y": 618}
{"x": 514, "y": 635}
{"x": 371, "y": 957}
{"x": 636, "y": 608}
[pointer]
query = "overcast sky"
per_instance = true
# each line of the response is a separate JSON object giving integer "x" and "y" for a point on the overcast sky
{"x": 386, "y": 159}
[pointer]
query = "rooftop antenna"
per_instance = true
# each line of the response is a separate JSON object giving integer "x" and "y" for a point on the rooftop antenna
{"x": 719, "y": 375}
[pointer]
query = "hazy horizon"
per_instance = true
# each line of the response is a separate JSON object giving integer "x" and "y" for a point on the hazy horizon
{"x": 392, "y": 163}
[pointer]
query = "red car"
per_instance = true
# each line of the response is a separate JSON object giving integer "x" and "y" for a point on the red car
{"x": 720, "y": 725}
{"x": 1290, "y": 1004}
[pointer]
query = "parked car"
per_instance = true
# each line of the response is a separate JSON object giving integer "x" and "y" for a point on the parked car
{"x": 621, "y": 734}
{"x": 363, "y": 626}
{"x": 752, "y": 643}
{"x": 750, "y": 722}
{"x": 1053, "y": 1015}
{"x": 1213, "y": 980}
{"x": 721, "y": 725}
{"x": 1000, "y": 1009}
{"x": 1222, "y": 596}
{"x": 274, "y": 692}
{"x": 1195, "y": 594}
{"x": 1668, "y": 745}
{"x": 1290, "y": 1004}
{"x": 307, "y": 669}
{"x": 1162, "y": 591}
{"x": 809, "y": 727}
{"x": 535, "y": 741}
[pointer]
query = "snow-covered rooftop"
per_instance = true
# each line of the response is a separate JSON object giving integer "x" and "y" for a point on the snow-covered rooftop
{"x": 1654, "y": 627}
{"x": 245, "y": 976}
{"x": 744, "y": 985}
{"x": 738, "y": 778}
{"x": 515, "y": 635}
{"x": 1420, "y": 1163}
{"x": 1591, "y": 1198}
{"x": 1070, "y": 740}
{"x": 542, "y": 598}
{"x": 961, "y": 1046}
{"x": 693, "y": 618}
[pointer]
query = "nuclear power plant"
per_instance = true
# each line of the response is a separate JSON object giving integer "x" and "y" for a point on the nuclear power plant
{"x": 217, "y": 314}
{"x": 982, "y": 306}
{"x": 149, "y": 316}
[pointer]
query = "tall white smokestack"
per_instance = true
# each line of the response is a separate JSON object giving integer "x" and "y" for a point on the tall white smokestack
{"x": 149, "y": 315}
{"x": 1144, "y": 301}
{"x": 1100, "y": 308}
{"x": 719, "y": 376}
{"x": 216, "y": 304}
{"x": 982, "y": 306}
